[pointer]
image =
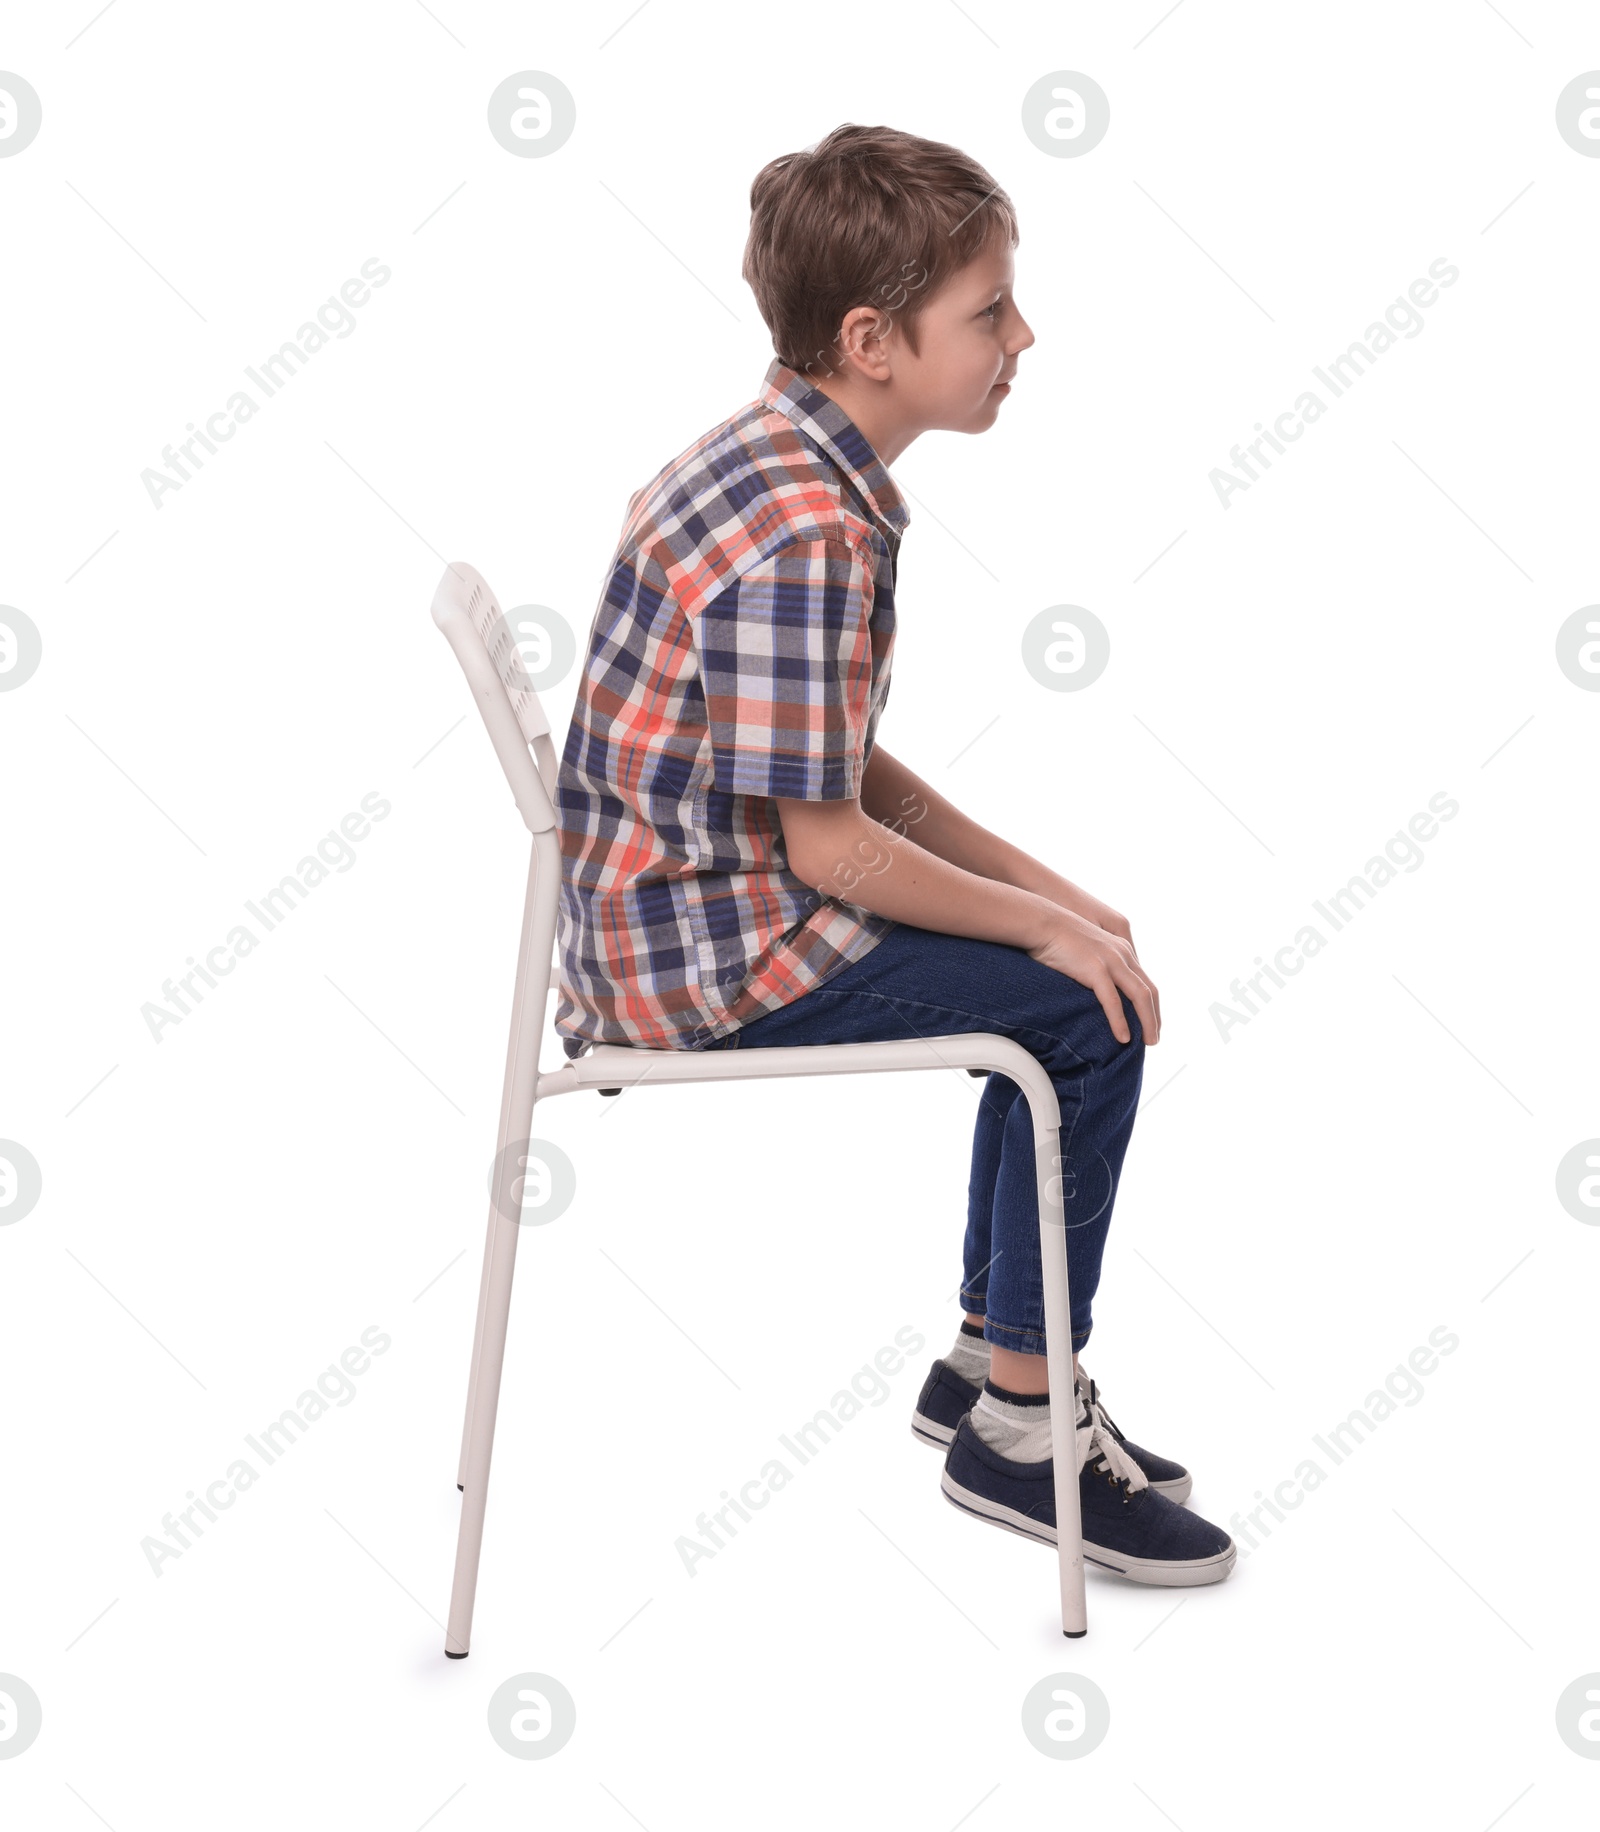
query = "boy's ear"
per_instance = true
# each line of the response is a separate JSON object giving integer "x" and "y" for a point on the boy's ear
{"x": 862, "y": 337}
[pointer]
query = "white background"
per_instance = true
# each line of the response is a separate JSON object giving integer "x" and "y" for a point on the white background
{"x": 305, "y": 1156}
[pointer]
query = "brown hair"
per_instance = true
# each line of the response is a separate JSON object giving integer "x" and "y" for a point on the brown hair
{"x": 867, "y": 216}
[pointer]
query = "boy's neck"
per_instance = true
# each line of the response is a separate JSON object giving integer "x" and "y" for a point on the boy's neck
{"x": 881, "y": 423}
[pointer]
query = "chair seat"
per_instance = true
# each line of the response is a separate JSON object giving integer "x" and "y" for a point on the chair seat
{"x": 611, "y": 1067}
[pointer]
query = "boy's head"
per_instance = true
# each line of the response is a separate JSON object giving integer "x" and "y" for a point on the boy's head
{"x": 882, "y": 265}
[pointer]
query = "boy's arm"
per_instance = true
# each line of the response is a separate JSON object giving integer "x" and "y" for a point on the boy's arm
{"x": 893, "y": 795}
{"x": 842, "y": 850}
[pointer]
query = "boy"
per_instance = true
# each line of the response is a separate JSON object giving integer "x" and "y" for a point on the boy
{"x": 721, "y": 789}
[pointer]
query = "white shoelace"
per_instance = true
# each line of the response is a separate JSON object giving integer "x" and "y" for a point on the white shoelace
{"x": 1094, "y": 1437}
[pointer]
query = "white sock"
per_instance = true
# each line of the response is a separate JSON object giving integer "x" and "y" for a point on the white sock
{"x": 970, "y": 1356}
{"x": 1017, "y": 1425}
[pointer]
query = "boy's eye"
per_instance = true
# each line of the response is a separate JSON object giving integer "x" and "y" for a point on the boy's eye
{"x": 990, "y": 310}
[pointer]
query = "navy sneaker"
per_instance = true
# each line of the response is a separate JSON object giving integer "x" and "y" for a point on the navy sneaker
{"x": 1164, "y": 1476}
{"x": 1129, "y": 1527}
{"x": 946, "y": 1399}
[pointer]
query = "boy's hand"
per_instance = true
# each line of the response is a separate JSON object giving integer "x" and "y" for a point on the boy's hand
{"x": 1104, "y": 962}
{"x": 1070, "y": 897}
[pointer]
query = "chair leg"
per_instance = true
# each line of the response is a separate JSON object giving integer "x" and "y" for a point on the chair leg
{"x": 503, "y": 1233}
{"x": 518, "y": 997}
{"x": 499, "y": 1263}
{"x": 1063, "y": 1395}
{"x": 477, "y": 1354}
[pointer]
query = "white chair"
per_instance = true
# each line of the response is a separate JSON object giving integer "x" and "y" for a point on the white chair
{"x": 465, "y": 609}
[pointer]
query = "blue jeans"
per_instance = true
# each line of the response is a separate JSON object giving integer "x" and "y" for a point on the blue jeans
{"x": 921, "y": 983}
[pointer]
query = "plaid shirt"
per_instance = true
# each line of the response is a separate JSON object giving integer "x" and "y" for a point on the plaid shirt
{"x": 741, "y": 651}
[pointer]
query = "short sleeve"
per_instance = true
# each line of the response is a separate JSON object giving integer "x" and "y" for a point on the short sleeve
{"x": 785, "y": 655}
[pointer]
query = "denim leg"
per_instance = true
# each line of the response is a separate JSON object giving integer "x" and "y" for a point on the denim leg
{"x": 1099, "y": 1097}
{"x": 921, "y": 983}
{"x": 988, "y": 1150}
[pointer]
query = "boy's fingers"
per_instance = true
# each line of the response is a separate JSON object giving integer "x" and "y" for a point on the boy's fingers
{"x": 1112, "y": 1006}
{"x": 1142, "y": 995}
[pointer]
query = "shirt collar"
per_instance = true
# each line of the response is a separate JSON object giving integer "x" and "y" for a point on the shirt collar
{"x": 827, "y": 423}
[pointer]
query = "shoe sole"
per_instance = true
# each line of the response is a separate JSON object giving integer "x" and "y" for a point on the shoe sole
{"x": 941, "y": 1437}
{"x": 1169, "y": 1572}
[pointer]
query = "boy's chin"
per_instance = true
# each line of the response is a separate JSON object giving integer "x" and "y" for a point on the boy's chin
{"x": 977, "y": 419}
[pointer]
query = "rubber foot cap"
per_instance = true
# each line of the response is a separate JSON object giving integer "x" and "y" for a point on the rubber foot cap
{"x": 461, "y": 1488}
{"x": 1074, "y": 1634}
{"x": 449, "y": 1656}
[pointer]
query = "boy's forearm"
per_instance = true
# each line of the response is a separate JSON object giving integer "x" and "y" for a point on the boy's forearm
{"x": 892, "y": 875}
{"x": 898, "y": 798}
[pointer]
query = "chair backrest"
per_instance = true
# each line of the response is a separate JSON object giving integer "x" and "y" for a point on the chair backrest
{"x": 467, "y": 611}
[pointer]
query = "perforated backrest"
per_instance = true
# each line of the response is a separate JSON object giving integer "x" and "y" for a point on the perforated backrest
{"x": 471, "y": 618}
